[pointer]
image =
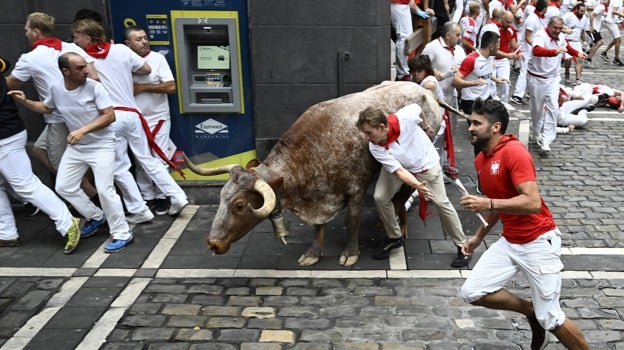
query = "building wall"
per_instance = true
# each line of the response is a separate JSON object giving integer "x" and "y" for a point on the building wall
{"x": 308, "y": 52}
{"x": 303, "y": 52}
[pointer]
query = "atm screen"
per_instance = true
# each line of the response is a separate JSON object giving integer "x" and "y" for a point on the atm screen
{"x": 213, "y": 57}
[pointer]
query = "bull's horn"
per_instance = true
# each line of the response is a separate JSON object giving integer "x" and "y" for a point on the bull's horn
{"x": 207, "y": 171}
{"x": 269, "y": 199}
{"x": 452, "y": 109}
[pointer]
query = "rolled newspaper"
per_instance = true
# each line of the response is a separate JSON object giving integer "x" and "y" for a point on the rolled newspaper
{"x": 463, "y": 190}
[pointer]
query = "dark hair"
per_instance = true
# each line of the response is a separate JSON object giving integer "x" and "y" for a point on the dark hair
{"x": 540, "y": 5}
{"x": 419, "y": 63}
{"x": 88, "y": 14}
{"x": 373, "y": 117}
{"x": 131, "y": 29}
{"x": 494, "y": 111}
{"x": 489, "y": 38}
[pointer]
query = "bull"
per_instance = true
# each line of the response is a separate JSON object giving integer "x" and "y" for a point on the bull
{"x": 319, "y": 166}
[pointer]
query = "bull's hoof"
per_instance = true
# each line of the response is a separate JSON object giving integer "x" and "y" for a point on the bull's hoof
{"x": 306, "y": 260}
{"x": 348, "y": 260}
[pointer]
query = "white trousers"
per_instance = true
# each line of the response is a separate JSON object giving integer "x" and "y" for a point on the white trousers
{"x": 565, "y": 111}
{"x": 130, "y": 133}
{"x": 74, "y": 165}
{"x": 544, "y": 106}
{"x": 148, "y": 190}
{"x": 540, "y": 263}
{"x": 503, "y": 70}
{"x": 521, "y": 82}
{"x": 401, "y": 17}
{"x": 16, "y": 173}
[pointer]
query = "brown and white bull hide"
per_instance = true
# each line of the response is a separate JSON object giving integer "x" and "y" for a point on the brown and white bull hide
{"x": 319, "y": 166}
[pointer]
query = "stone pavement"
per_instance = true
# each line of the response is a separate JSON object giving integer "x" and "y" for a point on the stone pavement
{"x": 167, "y": 291}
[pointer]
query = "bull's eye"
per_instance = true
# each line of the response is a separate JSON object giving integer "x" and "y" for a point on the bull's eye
{"x": 239, "y": 206}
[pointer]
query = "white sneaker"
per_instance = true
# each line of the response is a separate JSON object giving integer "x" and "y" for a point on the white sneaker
{"x": 545, "y": 147}
{"x": 144, "y": 216}
{"x": 177, "y": 207}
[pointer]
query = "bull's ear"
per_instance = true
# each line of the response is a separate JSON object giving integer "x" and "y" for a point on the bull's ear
{"x": 276, "y": 184}
{"x": 252, "y": 164}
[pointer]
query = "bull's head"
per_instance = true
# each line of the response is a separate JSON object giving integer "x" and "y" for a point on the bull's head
{"x": 245, "y": 201}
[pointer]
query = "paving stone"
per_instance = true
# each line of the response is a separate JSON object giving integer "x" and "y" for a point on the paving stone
{"x": 225, "y": 322}
{"x": 192, "y": 334}
{"x": 168, "y": 346}
{"x": 181, "y": 309}
{"x": 258, "y": 312}
{"x": 257, "y": 346}
{"x": 122, "y": 346}
{"x": 221, "y": 310}
{"x": 213, "y": 346}
{"x": 274, "y": 323}
{"x": 278, "y": 336}
{"x": 269, "y": 290}
{"x": 239, "y": 335}
{"x": 152, "y": 334}
{"x": 187, "y": 321}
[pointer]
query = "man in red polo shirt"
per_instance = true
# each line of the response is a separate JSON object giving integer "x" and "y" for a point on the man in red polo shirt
{"x": 530, "y": 242}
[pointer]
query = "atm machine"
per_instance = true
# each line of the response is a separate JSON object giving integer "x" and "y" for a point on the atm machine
{"x": 206, "y": 43}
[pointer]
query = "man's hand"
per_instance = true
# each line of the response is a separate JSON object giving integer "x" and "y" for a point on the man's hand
{"x": 474, "y": 203}
{"x": 75, "y": 136}
{"x": 470, "y": 245}
{"x": 18, "y": 95}
{"x": 424, "y": 190}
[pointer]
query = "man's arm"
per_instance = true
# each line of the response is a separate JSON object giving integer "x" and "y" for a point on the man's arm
{"x": 527, "y": 201}
{"x": 460, "y": 82}
{"x": 411, "y": 181}
{"x": 168, "y": 87}
{"x": 106, "y": 117}
{"x": 144, "y": 70}
{"x": 13, "y": 83}
{"x": 35, "y": 106}
{"x": 91, "y": 72}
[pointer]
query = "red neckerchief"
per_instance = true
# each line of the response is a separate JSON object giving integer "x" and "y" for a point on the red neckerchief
{"x": 98, "y": 50}
{"x": 540, "y": 16}
{"x": 553, "y": 3}
{"x": 54, "y": 43}
{"x": 451, "y": 49}
{"x": 394, "y": 130}
{"x": 148, "y": 52}
{"x": 550, "y": 36}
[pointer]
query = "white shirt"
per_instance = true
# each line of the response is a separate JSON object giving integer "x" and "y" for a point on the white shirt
{"x": 546, "y": 66}
{"x": 611, "y": 17}
{"x": 469, "y": 30}
{"x": 81, "y": 106}
{"x": 474, "y": 67}
{"x": 115, "y": 73}
{"x": 599, "y": 14}
{"x": 413, "y": 150}
{"x": 440, "y": 61}
{"x": 154, "y": 106}
{"x": 576, "y": 24}
{"x": 41, "y": 65}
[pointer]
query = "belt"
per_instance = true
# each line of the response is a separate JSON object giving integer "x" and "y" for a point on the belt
{"x": 537, "y": 75}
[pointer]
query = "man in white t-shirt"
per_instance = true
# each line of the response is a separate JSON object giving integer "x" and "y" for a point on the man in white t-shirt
{"x": 88, "y": 112}
{"x": 576, "y": 21}
{"x": 41, "y": 66}
{"x": 594, "y": 24}
{"x": 446, "y": 55}
{"x": 150, "y": 93}
{"x": 535, "y": 20}
{"x": 543, "y": 79}
{"x": 400, "y": 144}
{"x": 115, "y": 64}
{"x": 612, "y": 21}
